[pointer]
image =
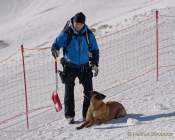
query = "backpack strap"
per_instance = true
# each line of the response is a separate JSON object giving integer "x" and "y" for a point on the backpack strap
{"x": 87, "y": 39}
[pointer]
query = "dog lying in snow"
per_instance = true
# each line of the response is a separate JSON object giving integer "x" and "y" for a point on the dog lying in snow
{"x": 100, "y": 112}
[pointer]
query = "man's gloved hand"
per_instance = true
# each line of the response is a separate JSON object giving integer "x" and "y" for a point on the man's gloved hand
{"x": 94, "y": 69}
{"x": 55, "y": 53}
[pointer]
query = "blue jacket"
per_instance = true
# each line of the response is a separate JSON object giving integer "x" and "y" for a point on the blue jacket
{"x": 77, "y": 51}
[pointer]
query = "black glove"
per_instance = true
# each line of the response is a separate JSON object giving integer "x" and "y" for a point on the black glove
{"x": 55, "y": 52}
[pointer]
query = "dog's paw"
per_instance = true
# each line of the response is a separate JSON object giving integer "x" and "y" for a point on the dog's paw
{"x": 78, "y": 128}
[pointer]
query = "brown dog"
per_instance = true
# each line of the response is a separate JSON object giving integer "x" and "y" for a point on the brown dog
{"x": 100, "y": 112}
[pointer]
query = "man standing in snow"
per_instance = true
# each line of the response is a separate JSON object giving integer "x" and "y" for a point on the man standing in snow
{"x": 80, "y": 59}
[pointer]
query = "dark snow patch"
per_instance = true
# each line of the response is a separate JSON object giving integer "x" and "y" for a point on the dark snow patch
{"x": 3, "y": 44}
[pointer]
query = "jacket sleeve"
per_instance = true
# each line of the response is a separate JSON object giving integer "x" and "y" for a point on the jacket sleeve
{"x": 60, "y": 41}
{"x": 94, "y": 49}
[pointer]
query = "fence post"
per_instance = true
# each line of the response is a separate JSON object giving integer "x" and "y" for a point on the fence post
{"x": 157, "y": 44}
{"x": 25, "y": 86}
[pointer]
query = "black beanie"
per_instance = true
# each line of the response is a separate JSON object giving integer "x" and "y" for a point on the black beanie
{"x": 80, "y": 17}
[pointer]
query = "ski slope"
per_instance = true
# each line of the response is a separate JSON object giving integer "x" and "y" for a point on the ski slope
{"x": 34, "y": 23}
{"x": 150, "y": 104}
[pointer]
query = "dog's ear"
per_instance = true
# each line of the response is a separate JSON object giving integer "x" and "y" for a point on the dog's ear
{"x": 99, "y": 96}
{"x": 95, "y": 92}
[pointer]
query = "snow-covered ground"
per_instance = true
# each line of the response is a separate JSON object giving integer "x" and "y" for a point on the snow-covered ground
{"x": 150, "y": 104}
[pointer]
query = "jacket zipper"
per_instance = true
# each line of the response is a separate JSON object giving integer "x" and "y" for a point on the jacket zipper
{"x": 79, "y": 42}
